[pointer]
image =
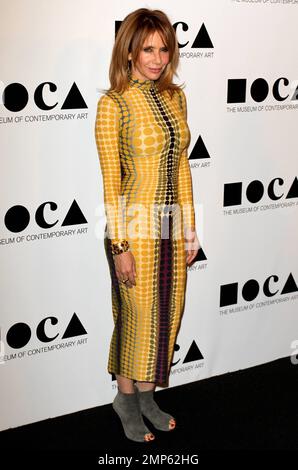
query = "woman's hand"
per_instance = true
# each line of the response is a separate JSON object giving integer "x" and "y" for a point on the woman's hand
{"x": 192, "y": 245}
{"x": 125, "y": 266}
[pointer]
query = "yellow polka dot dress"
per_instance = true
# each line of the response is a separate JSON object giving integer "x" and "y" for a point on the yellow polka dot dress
{"x": 142, "y": 137}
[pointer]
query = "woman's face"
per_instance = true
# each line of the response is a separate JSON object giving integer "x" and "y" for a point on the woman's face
{"x": 153, "y": 59}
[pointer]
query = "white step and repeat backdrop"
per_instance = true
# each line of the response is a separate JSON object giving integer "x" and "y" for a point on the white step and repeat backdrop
{"x": 239, "y": 63}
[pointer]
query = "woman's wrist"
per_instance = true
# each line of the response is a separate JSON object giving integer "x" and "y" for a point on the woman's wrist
{"x": 189, "y": 232}
{"x": 120, "y": 246}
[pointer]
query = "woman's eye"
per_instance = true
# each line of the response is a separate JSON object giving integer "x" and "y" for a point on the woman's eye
{"x": 148, "y": 49}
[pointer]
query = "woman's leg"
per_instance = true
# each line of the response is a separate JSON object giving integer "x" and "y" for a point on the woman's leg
{"x": 125, "y": 384}
{"x": 150, "y": 409}
{"x": 127, "y": 407}
{"x": 145, "y": 386}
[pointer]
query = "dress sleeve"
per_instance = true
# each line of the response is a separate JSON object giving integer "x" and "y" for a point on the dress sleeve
{"x": 107, "y": 142}
{"x": 185, "y": 191}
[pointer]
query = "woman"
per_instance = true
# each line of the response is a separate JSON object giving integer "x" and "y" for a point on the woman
{"x": 142, "y": 138}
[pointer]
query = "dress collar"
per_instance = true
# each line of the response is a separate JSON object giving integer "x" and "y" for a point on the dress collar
{"x": 142, "y": 84}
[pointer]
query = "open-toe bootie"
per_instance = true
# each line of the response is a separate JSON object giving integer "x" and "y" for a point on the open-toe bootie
{"x": 150, "y": 409}
{"x": 127, "y": 407}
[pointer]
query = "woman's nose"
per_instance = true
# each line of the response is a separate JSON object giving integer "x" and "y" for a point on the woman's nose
{"x": 157, "y": 58}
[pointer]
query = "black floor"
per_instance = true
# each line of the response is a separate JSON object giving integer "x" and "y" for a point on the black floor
{"x": 251, "y": 409}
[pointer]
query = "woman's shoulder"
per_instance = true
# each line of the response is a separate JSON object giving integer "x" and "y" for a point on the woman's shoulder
{"x": 180, "y": 91}
{"x": 109, "y": 99}
{"x": 109, "y": 96}
{"x": 181, "y": 94}
{"x": 181, "y": 98}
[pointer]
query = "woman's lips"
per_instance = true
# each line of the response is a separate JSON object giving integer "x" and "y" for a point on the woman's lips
{"x": 154, "y": 70}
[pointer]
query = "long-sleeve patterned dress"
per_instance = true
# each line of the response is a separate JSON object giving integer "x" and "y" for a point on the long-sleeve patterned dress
{"x": 142, "y": 137}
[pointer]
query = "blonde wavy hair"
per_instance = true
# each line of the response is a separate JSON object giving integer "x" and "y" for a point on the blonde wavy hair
{"x": 130, "y": 37}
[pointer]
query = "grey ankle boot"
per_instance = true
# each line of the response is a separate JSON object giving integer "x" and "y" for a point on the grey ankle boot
{"x": 127, "y": 407}
{"x": 150, "y": 409}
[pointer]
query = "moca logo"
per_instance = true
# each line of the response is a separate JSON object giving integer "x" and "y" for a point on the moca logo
{"x": 17, "y": 218}
{"x": 16, "y": 96}
{"x": 202, "y": 39}
{"x": 20, "y": 334}
{"x": 251, "y": 289}
{"x": 259, "y": 90}
{"x": 193, "y": 354}
{"x": 254, "y": 191}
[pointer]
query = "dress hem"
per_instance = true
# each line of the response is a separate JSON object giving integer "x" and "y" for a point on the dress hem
{"x": 140, "y": 379}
